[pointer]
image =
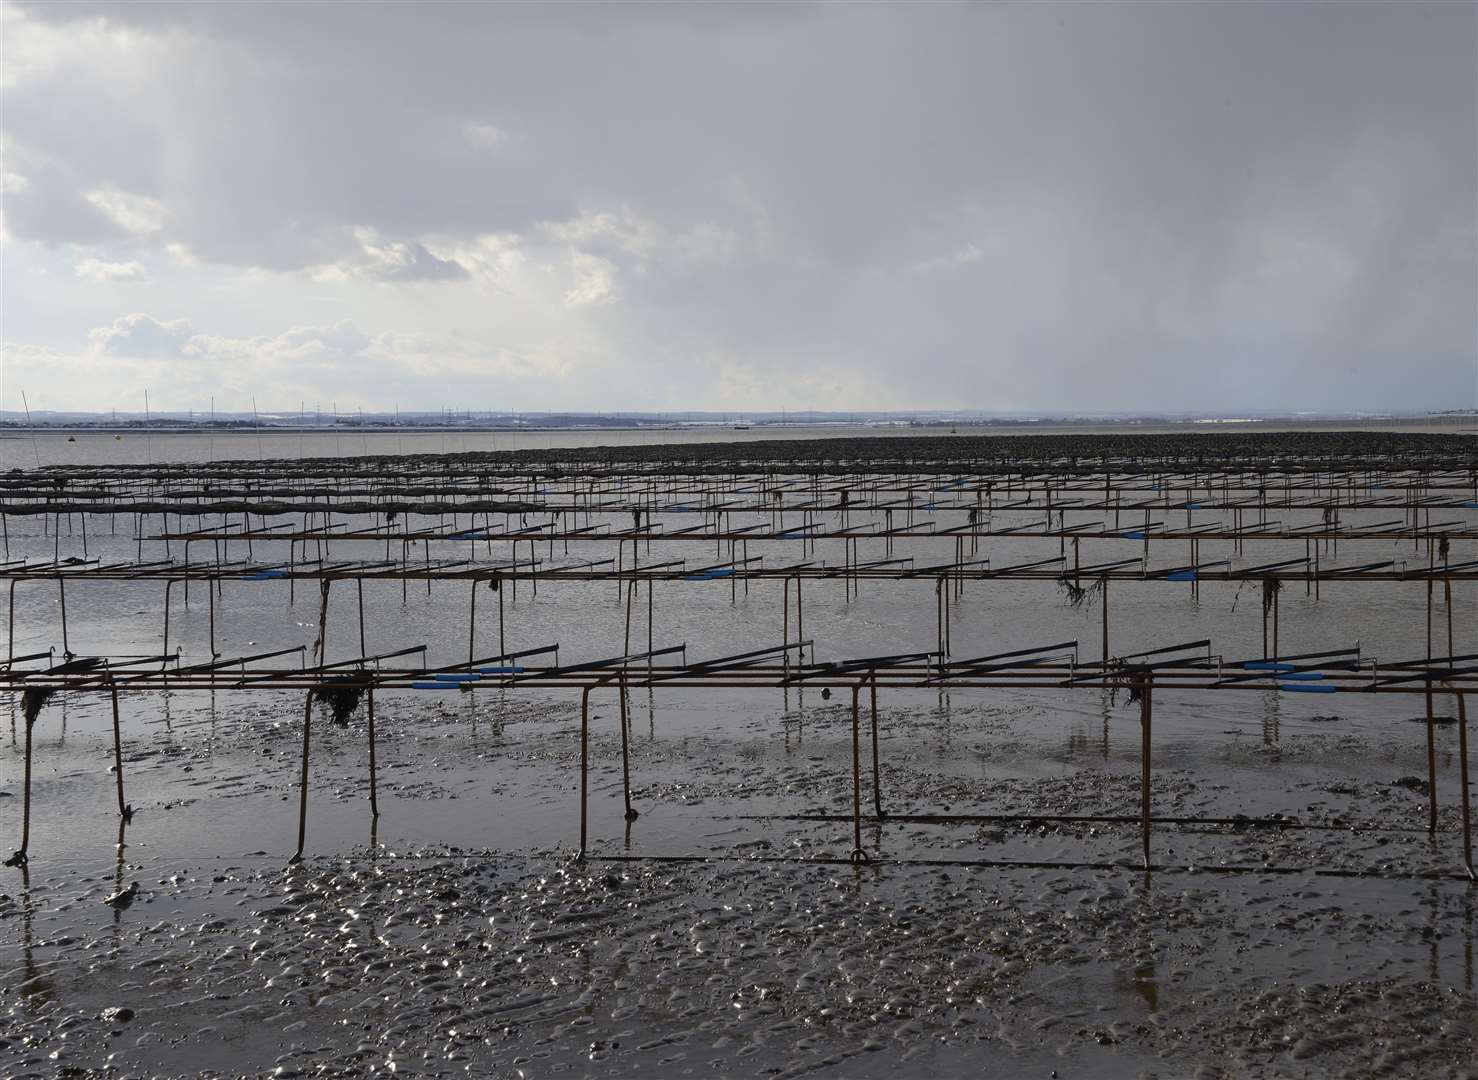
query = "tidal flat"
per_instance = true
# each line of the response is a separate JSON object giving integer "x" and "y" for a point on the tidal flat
{"x": 1303, "y": 916}
{"x": 1003, "y": 948}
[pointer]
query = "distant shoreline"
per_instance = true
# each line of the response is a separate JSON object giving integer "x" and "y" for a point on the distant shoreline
{"x": 1460, "y": 423}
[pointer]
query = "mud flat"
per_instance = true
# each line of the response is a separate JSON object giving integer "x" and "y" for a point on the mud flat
{"x": 746, "y": 945}
{"x": 1189, "y": 447}
{"x": 89, "y": 446}
{"x": 1453, "y": 445}
{"x": 1299, "y": 920}
{"x": 441, "y": 965}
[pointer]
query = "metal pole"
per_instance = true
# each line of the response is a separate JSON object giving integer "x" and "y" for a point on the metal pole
{"x": 800, "y": 619}
{"x": 471, "y": 626}
{"x": 164, "y": 657}
{"x": 584, "y": 762}
{"x": 631, "y": 815}
{"x": 1447, "y": 603}
{"x": 1265, "y": 619}
{"x": 630, "y": 597}
{"x": 19, "y": 858}
{"x": 1276, "y": 597}
{"x": 948, "y": 644}
{"x": 858, "y": 854}
{"x": 877, "y": 778}
{"x": 123, "y": 809}
{"x": 939, "y": 619}
{"x": 1431, "y": 737}
{"x": 1462, "y": 773}
{"x": 370, "y": 707}
{"x": 1104, "y": 590}
{"x": 303, "y": 781}
{"x": 1146, "y": 689}
{"x": 1431, "y": 725}
{"x": 1462, "y": 744}
{"x": 67, "y": 649}
{"x": 323, "y": 621}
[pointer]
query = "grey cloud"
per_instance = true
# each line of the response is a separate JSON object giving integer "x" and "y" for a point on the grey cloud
{"x": 1194, "y": 194}
{"x": 50, "y": 209}
{"x": 863, "y": 130}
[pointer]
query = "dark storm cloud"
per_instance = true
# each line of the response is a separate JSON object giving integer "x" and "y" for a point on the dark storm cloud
{"x": 1116, "y": 205}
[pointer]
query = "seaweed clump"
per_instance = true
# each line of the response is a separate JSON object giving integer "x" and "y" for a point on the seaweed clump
{"x": 1271, "y": 587}
{"x": 1077, "y": 595}
{"x": 342, "y": 696}
{"x": 34, "y": 700}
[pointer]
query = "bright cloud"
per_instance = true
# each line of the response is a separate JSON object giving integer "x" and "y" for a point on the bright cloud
{"x": 98, "y": 270}
{"x": 331, "y": 362}
{"x": 140, "y": 335}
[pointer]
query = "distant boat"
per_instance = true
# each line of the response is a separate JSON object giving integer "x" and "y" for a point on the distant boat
{"x": 71, "y": 438}
{"x": 741, "y": 427}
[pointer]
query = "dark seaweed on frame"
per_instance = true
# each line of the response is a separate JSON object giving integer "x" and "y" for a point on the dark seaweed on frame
{"x": 342, "y": 700}
{"x": 33, "y": 700}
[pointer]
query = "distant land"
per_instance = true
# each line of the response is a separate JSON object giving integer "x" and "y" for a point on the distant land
{"x": 488, "y": 420}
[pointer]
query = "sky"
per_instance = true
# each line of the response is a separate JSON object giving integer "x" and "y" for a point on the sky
{"x": 1048, "y": 207}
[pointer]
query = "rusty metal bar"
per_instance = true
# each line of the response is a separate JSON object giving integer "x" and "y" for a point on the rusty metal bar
{"x": 857, "y": 854}
{"x": 1462, "y": 764}
{"x": 877, "y": 776}
{"x": 1146, "y": 689}
{"x": 124, "y": 810}
{"x": 303, "y": 782}
{"x": 369, "y": 705}
{"x": 631, "y": 814}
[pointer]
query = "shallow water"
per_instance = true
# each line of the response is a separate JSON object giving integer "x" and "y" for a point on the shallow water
{"x": 452, "y": 935}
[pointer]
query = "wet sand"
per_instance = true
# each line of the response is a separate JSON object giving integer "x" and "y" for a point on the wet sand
{"x": 725, "y": 933}
{"x": 753, "y": 948}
